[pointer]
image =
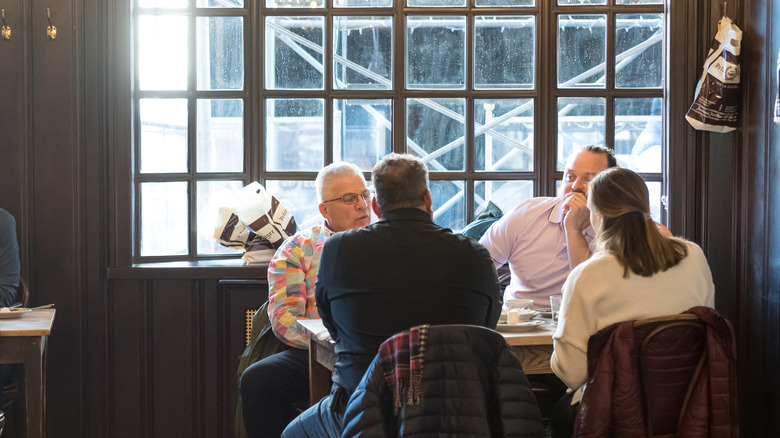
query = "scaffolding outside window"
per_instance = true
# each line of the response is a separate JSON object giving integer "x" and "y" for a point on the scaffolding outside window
{"x": 491, "y": 103}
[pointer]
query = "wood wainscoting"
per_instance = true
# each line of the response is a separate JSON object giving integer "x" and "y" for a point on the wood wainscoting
{"x": 174, "y": 354}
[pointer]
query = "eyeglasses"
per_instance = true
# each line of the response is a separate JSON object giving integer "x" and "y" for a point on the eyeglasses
{"x": 351, "y": 198}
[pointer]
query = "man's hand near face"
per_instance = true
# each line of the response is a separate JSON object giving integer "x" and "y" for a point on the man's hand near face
{"x": 576, "y": 219}
{"x": 576, "y": 214}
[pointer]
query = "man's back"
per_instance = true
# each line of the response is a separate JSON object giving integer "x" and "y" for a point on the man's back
{"x": 397, "y": 273}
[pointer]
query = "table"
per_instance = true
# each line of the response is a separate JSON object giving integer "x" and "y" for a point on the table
{"x": 533, "y": 348}
{"x": 23, "y": 340}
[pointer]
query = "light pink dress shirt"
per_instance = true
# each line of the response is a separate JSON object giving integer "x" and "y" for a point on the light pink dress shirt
{"x": 532, "y": 239}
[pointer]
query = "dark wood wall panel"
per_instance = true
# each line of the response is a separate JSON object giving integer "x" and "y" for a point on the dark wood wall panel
{"x": 208, "y": 422}
{"x": 55, "y": 205}
{"x": 720, "y": 219}
{"x": 175, "y": 352}
{"x": 170, "y": 325}
{"x": 127, "y": 413}
{"x": 759, "y": 292}
{"x": 13, "y": 124}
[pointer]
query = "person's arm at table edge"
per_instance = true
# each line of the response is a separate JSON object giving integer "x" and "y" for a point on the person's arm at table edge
{"x": 288, "y": 295}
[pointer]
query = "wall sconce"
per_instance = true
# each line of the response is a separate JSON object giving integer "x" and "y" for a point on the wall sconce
{"x": 51, "y": 30}
{"x": 6, "y": 30}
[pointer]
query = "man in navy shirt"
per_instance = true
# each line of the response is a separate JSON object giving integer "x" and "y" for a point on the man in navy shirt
{"x": 400, "y": 272}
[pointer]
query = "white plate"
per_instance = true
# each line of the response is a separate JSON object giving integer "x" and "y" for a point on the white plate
{"x": 521, "y": 327}
{"x": 13, "y": 313}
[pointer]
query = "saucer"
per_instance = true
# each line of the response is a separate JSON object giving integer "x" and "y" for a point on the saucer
{"x": 520, "y": 327}
{"x": 13, "y": 313}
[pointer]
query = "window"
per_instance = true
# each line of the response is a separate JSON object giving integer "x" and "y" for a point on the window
{"x": 492, "y": 94}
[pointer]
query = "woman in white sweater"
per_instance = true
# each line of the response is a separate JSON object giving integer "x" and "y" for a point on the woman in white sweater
{"x": 635, "y": 273}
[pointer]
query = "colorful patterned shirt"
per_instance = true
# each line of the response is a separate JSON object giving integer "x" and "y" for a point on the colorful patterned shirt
{"x": 291, "y": 277}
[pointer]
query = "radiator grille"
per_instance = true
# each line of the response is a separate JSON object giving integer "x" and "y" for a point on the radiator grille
{"x": 248, "y": 314}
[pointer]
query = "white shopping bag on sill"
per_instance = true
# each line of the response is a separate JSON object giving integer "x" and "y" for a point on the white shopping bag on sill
{"x": 255, "y": 222}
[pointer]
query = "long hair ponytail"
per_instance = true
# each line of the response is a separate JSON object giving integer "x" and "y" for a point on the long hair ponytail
{"x": 621, "y": 197}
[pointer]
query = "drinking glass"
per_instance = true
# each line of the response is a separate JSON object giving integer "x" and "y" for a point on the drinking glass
{"x": 555, "y": 306}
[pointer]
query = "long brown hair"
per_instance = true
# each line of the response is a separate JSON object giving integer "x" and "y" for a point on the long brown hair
{"x": 621, "y": 197}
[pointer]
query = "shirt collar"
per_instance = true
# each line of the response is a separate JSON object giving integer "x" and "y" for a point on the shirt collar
{"x": 410, "y": 213}
{"x": 328, "y": 231}
{"x": 556, "y": 214}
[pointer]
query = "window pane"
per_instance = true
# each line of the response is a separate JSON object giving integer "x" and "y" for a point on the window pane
{"x": 504, "y": 134}
{"x": 505, "y": 194}
{"x": 220, "y": 135}
{"x": 300, "y": 197}
{"x": 582, "y": 45}
{"x": 295, "y": 134}
{"x": 504, "y": 52}
{"x": 363, "y": 53}
{"x": 436, "y": 52}
{"x": 638, "y": 136}
{"x": 363, "y": 3}
{"x": 449, "y": 204}
{"x": 435, "y": 3}
{"x": 293, "y": 52}
{"x": 435, "y": 131}
{"x": 581, "y": 2}
{"x": 639, "y": 50}
{"x": 639, "y": 2}
{"x": 294, "y": 3}
{"x": 656, "y": 199}
{"x": 504, "y": 3}
{"x": 581, "y": 121}
{"x": 220, "y": 56}
{"x": 220, "y": 3}
{"x": 162, "y": 3}
{"x": 162, "y": 52}
{"x": 362, "y": 130}
{"x": 163, "y": 141}
{"x": 211, "y": 196}
{"x": 164, "y": 218}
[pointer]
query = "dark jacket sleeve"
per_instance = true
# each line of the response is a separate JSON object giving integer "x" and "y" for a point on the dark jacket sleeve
{"x": 321, "y": 289}
{"x": 489, "y": 283}
{"x": 9, "y": 259}
{"x": 367, "y": 411}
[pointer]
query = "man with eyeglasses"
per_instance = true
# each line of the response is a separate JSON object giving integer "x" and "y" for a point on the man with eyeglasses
{"x": 400, "y": 272}
{"x": 274, "y": 388}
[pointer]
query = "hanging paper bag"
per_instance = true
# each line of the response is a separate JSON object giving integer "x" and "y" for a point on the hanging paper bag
{"x": 716, "y": 104}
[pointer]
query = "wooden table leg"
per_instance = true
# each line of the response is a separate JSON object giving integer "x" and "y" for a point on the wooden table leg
{"x": 319, "y": 376}
{"x": 34, "y": 391}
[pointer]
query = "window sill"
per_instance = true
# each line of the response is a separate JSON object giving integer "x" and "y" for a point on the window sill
{"x": 204, "y": 269}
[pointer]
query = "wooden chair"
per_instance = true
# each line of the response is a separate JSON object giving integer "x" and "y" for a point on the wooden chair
{"x": 24, "y": 298}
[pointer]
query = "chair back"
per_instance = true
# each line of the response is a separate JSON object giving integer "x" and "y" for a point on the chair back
{"x": 671, "y": 358}
{"x": 24, "y": 293}
{"x": 471, "y": 384}
{"x": 664, "y": 377}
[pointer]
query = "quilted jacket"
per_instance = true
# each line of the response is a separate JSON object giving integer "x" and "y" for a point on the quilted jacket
{"x": 612, "y": 405}
{"x": 473, "y": 386}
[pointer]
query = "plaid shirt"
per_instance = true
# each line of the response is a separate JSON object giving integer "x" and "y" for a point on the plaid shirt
{"x": 291, "y": 277}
